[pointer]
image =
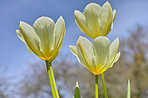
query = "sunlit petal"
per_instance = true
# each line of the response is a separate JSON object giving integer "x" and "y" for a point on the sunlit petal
{"x": 44, "y": 27}
{"x": 19, "y": 34}
{"x": 116, "y": 59}
{"x": 114, "y": 14}
{"x": 84, "y": 51}
{"x": 91, "y": 12}
{"x": 81, "y": 22}
{"x": 106, "y": 18}
{"x": 113, "y": 49}
{"x": 101, "y": 50}
{"x": 30, "y": 37}
{"x": 73, "y": 50}
{"x": 59, "y": 32}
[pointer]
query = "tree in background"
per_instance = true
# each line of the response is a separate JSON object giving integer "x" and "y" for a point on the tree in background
{"x": 5, "y": 82}
{"x": 132, "y": 65}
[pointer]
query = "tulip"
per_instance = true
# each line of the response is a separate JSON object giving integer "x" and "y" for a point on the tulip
{"x": 45, "y": 38}
{"x": 95, "y": 21}
{"x": 97, "y": 56}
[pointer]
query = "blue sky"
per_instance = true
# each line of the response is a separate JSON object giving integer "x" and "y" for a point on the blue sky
{"x": 14, "y": 52}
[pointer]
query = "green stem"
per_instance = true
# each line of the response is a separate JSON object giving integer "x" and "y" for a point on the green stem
{"x": 96, "y": 85}
{"x": 52, "y": 80}
{"x": 104, "y": 86}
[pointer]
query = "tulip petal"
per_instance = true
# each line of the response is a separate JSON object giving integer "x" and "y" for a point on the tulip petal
{"x": 59, "y": 32}
{"x": 44, "y": 27}
{"x": 53, "y": 56}
{"x": 116, "y": 59}
{"x": 85, "y": 52}
{"x": 19, "y": 34}
{"x": 91, "y": 13}
{"x": 113, "y": 49}
{"x": 105, "y": 18}
{"x": 111, "y": 65}
{"x": 30, "y": 37}
{"x": 114, "y": 14}
{"x": 101, "y": 50}
{"x": 80, "y": 20}
{"x": 73, "y": 50}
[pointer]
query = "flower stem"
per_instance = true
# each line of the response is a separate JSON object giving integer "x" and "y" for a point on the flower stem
{"x": 104, "y": 86}
{"x": 52, "y": 80}
{"x": 96, "y": 85}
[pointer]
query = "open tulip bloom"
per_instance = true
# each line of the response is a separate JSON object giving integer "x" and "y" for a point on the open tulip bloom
{"x": 44, "y": 39}
{"x": 95, "y": 20}
{"x": 97, "y": 56}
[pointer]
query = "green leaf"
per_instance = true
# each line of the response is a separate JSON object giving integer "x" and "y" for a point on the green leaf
{"x": 128, "y": 90}
{"x": 77, "y": 91}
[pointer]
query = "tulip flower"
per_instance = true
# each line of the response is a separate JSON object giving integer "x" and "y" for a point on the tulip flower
{"x": 45, "y": 38}
{"x": 95, "y": 21}
{"x": 97, "y": 56}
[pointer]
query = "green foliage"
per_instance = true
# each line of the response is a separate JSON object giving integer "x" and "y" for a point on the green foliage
{"x": 77, "y": 91}
{"x": 128, "y": 90}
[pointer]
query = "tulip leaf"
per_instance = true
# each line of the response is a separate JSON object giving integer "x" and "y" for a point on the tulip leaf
{"x": 77, "y": 91}
{"x": 128, "y": 90}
